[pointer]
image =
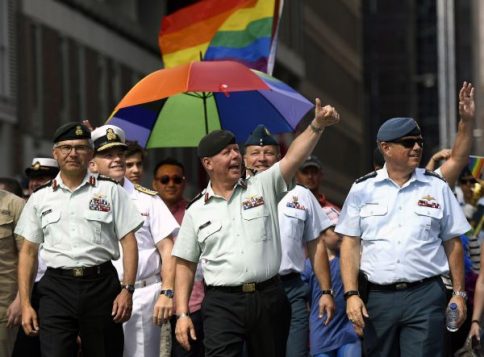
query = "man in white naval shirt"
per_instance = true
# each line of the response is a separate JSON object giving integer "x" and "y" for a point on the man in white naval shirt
{"x": 152, "y": 301}
{"x": 409, "y": 223}
{"x": 302, "y": 225}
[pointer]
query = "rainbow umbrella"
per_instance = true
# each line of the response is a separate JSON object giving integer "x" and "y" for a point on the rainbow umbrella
{"x": 176, "y": 107}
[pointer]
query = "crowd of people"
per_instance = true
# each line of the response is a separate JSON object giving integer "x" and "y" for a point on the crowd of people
{"x": 260, "y": 263}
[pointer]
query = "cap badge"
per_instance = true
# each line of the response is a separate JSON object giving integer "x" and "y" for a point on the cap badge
{"x": 78, "y": 131}
{"x": 36, "y": 166}
{"x": 267, "y": 131}
{"x": 110, "y": 134}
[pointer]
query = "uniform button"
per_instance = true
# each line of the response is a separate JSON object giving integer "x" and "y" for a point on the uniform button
{"x": 398, "y": 242}
{"x": 400, "y": 208}
{"x": 399, "y": 225}
{"x": 398, "y": 261}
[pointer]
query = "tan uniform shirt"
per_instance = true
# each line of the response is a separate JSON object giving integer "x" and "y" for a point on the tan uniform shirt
{"x": 10, "y": 209}
{"x": 79, "y": 228}
{"x": 237, "y": 241}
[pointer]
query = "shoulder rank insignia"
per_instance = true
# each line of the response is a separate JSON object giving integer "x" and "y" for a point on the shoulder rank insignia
{"x": 106, "y": 178}
{"x": 47, "y": 184}
{"x": 196, "y": 198}
{"x": 366, "y": 177}
{"x": 145, "y": 190}
{"x": 433, "y": 173}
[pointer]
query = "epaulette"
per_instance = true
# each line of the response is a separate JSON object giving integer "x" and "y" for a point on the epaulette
{"x": 432, "y": 173}
{"x": 145, "y": 190}
{"x": 197, "y": 197}
{"x": 106, "y": 178}
{"x": 47, "y": 184}
{"x": 366, "y": 177}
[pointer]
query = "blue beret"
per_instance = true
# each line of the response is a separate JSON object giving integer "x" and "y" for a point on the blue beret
{"x": 71, "y": 131}
{"x": 214, "y": 142}
{"x": 395, "y": 128}
{"x": 261, "y": 136}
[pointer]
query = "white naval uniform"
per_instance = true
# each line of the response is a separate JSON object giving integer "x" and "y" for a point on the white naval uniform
{"x": 141, "y": 336}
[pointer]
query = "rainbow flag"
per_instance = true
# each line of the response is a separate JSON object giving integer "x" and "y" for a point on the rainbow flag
{"x": 239, "y": 30}
{"x": 476, "y": 163}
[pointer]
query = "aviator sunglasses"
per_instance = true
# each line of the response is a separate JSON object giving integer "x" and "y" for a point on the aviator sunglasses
{"x": 409, "y": 143}
{"x": 176, "y": 179}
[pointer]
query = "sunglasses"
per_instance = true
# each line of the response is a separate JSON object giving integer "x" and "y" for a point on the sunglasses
{"x": 409, "y": 142}
{"x": 466, "y": 181}
{"x": 166, "y": 179}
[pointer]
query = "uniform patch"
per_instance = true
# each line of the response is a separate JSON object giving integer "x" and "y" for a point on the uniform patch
{"x": 206, "y": 224}
{"x": 428, "y": 201}
{"x": 99, "y": 203}
{"x": 295, "y": 203}
{"x": 252, "y": 201}
{"x": 46, "y": 212}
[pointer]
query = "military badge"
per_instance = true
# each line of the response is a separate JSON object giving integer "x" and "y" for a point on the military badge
{"x": 78, "y": 131}
{"x": 295, "y": 203}
{"x": 428, "y": 201}
{"x": 99, "y": 203}
{"x": 110, "y": 134}
{"x": 252, "y": 201}
{"x": 36, "y": 166}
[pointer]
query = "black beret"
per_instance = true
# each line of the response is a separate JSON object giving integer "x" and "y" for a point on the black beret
{"x": 214, "y": 142}
{"x": 395, "y": 128}
{"x": 261, "y": 136}
{"x": 71, "y": 131}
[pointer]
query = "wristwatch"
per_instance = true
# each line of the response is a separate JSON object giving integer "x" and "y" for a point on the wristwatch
{"x": 327, "y": 292}
{"x": 168, "y": 293}
{"x": 460, "y": 293}
{"x": 128, "y": 287}
{"x": 351, "y": 293}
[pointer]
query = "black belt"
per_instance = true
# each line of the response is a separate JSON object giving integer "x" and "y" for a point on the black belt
{"x": 400, "y": 285}
{"x": 81, "y": 272}
{"x": 247, "y": 287}
{"x": 290, "y": 276}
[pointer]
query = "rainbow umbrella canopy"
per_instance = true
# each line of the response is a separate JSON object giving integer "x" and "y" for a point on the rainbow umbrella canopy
{"x": 176, "y": 107}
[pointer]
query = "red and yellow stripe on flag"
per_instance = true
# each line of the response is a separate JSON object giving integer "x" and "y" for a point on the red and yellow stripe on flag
{"x": 476, "y": 163}
{"x": 240, "y": 30}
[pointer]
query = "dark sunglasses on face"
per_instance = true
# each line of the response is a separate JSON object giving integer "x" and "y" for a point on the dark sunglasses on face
{"x": 166, "y": 179}
{"x": 409, "y": 142}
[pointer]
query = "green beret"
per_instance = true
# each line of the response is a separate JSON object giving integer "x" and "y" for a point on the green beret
{"x": 395, "y": 128}
{"x": 261, "y": 136}
{"x": 214, "y": 142}
{"x": 71, "y": 131}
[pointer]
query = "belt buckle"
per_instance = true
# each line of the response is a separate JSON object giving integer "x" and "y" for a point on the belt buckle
{"x": 248, "y": 287}
{"x": 78, "y": 272}
{"x": 400, "y": 286}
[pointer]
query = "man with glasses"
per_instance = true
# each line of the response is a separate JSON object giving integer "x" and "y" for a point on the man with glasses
{"x": 80, "y": 219}
{"x": 153, "y": 297}
{"x": 169, "y": 181}
{"x": 408, "y": 224}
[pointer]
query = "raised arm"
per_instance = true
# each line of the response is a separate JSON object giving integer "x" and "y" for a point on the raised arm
{"x": 463, "y": 140}
{"x": 305, "y": 143}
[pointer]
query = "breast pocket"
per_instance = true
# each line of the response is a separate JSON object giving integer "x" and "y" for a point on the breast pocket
{"x": 48, "y": 221}
{"x": 372, "y": 218}
{"x": 6, "y": 226}
{"x": 428, "y": 221}
{"x": 256, "y": 223}
{"x": 209, "y": 232}
{"x": 293, "y": 224}
{"x": 98, "y": 222}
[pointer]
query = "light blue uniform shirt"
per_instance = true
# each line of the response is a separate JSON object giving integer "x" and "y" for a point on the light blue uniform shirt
{"x": 236, "y": 240}
{"x": 402, "y": 228}
{"x": 301, "y": 220}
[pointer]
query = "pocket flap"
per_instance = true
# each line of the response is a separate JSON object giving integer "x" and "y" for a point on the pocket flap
{"x": 105, "y": 217}
{"x": 429, "y": 212}
{"x": 51, "y": 217}
{"x": 295, "y": 213}
{"x": 208, "y": 230}
{"x": 256, "y": 212}
{"x": 373, "y": 209}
